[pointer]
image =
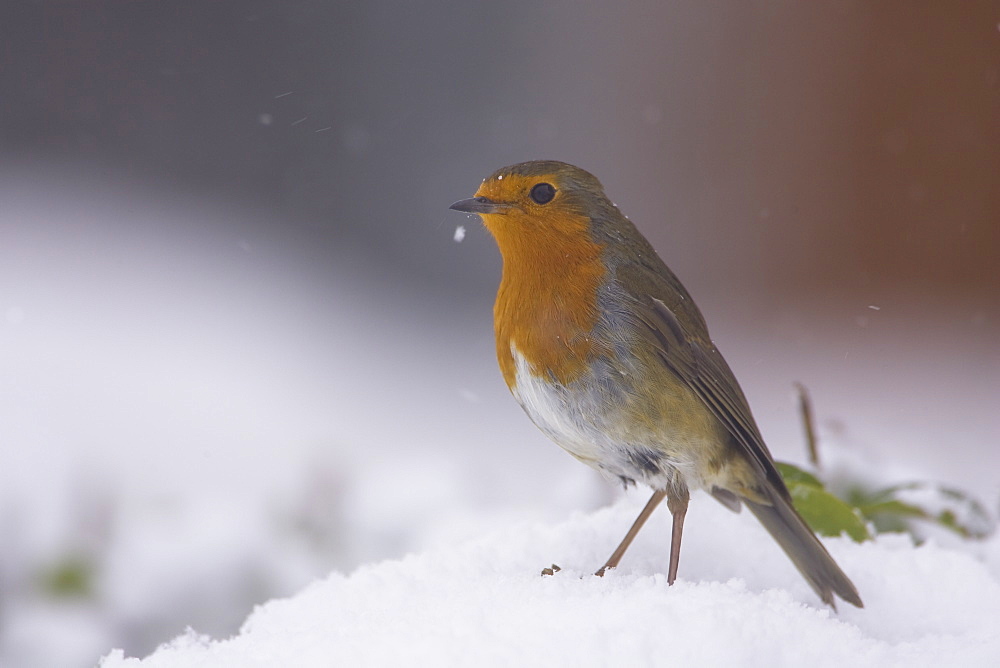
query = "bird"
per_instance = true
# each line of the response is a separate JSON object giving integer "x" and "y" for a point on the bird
{"x": 607, "y": 353}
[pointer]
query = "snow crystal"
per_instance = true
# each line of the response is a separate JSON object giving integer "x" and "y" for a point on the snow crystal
{"x": 737, "y": 600}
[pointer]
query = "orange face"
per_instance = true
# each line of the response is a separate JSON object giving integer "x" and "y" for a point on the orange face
{"x": 546, "y": 304}
{"x": 529, "y": 210}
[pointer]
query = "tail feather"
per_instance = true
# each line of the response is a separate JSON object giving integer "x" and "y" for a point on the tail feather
{"x": 804, "y": 549}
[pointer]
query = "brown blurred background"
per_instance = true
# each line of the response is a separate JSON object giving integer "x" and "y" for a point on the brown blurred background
{"x": 825, "y": 177}
{"x": 229, "y": 280}
{"x": 844, "y": 148}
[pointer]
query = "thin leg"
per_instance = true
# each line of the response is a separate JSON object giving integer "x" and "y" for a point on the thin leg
{"x": 651, "y": 505}
{"x": 678, "y": 508}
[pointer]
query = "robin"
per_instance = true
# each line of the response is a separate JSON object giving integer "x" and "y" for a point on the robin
{"x": 608, "y": 355}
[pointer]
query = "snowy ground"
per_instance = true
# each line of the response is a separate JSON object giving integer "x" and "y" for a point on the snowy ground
{"x": 739, "y": 604}
{"x": 198, "y": 418}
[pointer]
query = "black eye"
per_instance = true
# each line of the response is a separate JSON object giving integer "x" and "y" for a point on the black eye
{"x": 542, "y": 193}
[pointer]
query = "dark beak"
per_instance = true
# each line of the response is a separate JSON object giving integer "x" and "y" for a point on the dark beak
{"x": 477, "y": 205}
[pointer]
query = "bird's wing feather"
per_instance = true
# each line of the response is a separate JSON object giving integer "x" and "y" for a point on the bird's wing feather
{"x": 700, "y": 365}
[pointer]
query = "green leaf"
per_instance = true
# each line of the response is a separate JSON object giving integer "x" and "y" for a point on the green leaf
{"x": 885, "y": 509}
{"x": 71, "y": 578}
{"x": 979, "y": 522}
{"x": 826, "y": 514}
{"x": 961, "y": 513}
{"x": 893, "y": 507}
{"x": 793, "y": 474}
{"x": 823, "y": 512}
{"x": 892, "y": 515}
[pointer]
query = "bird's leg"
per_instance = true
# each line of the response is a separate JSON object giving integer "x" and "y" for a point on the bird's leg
{"x": 678, "y": 506}
{"x": 651, "y": 505}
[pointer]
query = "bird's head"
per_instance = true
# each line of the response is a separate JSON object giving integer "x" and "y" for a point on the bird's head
{"x": 538, "y": 202}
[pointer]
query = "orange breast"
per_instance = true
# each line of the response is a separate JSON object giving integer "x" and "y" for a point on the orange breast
{"x": 547, "y": 301}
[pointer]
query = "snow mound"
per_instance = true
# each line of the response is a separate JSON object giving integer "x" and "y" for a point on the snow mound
{"x": 738, "y": 602}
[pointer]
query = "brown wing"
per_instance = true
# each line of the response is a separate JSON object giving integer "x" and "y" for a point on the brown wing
{"x": 701, "y": 366}
{"x": 664, "y": 313}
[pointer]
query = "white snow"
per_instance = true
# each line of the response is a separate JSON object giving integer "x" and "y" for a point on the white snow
{"x": 459, "y": 234}
{"x": 214, "y": 416}
{"x": 738, "y": 603}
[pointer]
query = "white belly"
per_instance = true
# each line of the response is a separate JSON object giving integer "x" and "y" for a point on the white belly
{"x": 588, "y": 423}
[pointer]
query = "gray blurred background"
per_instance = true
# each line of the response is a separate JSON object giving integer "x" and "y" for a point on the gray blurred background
{"x": 841, "y": 147}
{"x": 221, "y": 219}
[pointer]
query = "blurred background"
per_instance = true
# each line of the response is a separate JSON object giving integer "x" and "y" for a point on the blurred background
{"x": 244, "y": 343}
